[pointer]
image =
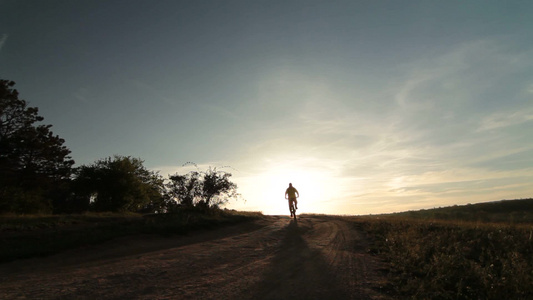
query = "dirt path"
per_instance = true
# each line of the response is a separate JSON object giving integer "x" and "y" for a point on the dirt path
{"x": 274, "y": 258}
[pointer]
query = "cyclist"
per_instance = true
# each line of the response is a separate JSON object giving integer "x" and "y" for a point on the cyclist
{"x": 292, "y": 193}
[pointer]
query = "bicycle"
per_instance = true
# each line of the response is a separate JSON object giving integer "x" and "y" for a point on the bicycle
{"x": 292, "y": 208}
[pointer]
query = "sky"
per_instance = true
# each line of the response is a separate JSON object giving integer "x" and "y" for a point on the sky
{"x": 367, "y": 107}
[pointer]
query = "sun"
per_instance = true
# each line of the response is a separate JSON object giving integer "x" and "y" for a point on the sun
{"x": 267, "y": 189}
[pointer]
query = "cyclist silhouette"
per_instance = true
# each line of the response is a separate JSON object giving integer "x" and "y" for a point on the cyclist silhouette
{"x": 292, "y": 193}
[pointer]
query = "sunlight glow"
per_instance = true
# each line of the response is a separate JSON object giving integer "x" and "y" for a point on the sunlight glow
{"x": 266, "y": 191}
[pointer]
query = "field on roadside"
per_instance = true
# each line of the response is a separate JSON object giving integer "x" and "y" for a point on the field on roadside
{"x": 39, "y": 235}
{"x": 450, "y": 258}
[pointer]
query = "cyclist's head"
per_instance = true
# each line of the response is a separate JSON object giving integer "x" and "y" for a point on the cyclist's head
{"x": 290, "y": 184}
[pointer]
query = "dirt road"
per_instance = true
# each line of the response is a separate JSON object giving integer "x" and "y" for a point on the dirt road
{"x": 318, "y": 257}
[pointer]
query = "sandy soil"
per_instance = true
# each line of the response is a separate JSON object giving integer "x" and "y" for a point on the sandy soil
{"x": 317, "y": 257}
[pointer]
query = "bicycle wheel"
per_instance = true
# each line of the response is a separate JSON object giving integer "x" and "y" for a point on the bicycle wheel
{"x": 293, "y": 211}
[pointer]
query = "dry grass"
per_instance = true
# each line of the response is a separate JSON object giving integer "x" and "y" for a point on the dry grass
{"x": 432, "y": 259}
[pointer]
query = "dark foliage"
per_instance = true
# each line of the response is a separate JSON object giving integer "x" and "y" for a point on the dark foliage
{"x": 217, "y": 188}
{"x": 203, "y": 189}
{"x": 118, "y": 184}
{"x": 184, "y": 190}
{"x": 505, "y": 211}
{"x": 36, "y": 173}
{"x": 34, "y": 163}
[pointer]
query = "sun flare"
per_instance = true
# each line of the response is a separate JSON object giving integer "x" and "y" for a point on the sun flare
{"x": 267, "y": 191}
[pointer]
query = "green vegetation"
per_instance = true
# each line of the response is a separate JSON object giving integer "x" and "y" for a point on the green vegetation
{"x": 453, "y": 259}
{"x": 39, "y": 235}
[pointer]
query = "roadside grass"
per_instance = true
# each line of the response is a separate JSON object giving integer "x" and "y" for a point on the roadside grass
{"x": 437, "y": 259}
{"x": 519, "y": 211}
{"x": 39, "y": 235}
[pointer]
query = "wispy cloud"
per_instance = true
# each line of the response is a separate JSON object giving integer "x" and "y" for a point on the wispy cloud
{"x": 3, "y": 39}
{"x": 501, "y": 120}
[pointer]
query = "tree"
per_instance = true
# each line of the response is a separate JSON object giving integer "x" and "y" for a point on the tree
{"x": 34, "y": 163}
{"x": 217, "y": 188}
{"x": 206, "y": 189}
{"x": 118, "y": 183}
{"x": 184, "y": 189}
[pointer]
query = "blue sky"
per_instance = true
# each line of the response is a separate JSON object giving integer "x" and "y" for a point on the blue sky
{"x": 365, "y": 106}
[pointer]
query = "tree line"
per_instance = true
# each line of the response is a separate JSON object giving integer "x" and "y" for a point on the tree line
{"x": 37, "y": 174}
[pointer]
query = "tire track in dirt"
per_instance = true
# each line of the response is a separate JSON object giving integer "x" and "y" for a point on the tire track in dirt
{"x": 345, "y": 249}
{"x": 317, "y": 257}
{"x": 323, "y": 257}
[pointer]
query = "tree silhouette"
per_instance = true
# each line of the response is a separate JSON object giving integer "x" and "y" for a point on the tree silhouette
{"x": 217, "y": 188}
{"x": 184, "y": 189}
{"x": 204, "y": 189}
{"x": 34, "y": 163}
{"x": 118, "y": 183}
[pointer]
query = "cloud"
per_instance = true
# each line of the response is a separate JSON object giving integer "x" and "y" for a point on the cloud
{"x": 3, "y": 39}
{"x": 433, "y": 137}
{"x": 502, "y": 120}
{"x": 467, "y": 76}
{"x": 437, "y": 145}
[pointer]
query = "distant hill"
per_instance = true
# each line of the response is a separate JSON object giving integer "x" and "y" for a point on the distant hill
{"x": 507, "y": 211}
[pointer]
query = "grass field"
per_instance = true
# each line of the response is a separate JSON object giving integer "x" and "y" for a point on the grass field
{"x": 505, "y": 211}
{"x": 39, "y": 235}
{"x": 449, "y": 258}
